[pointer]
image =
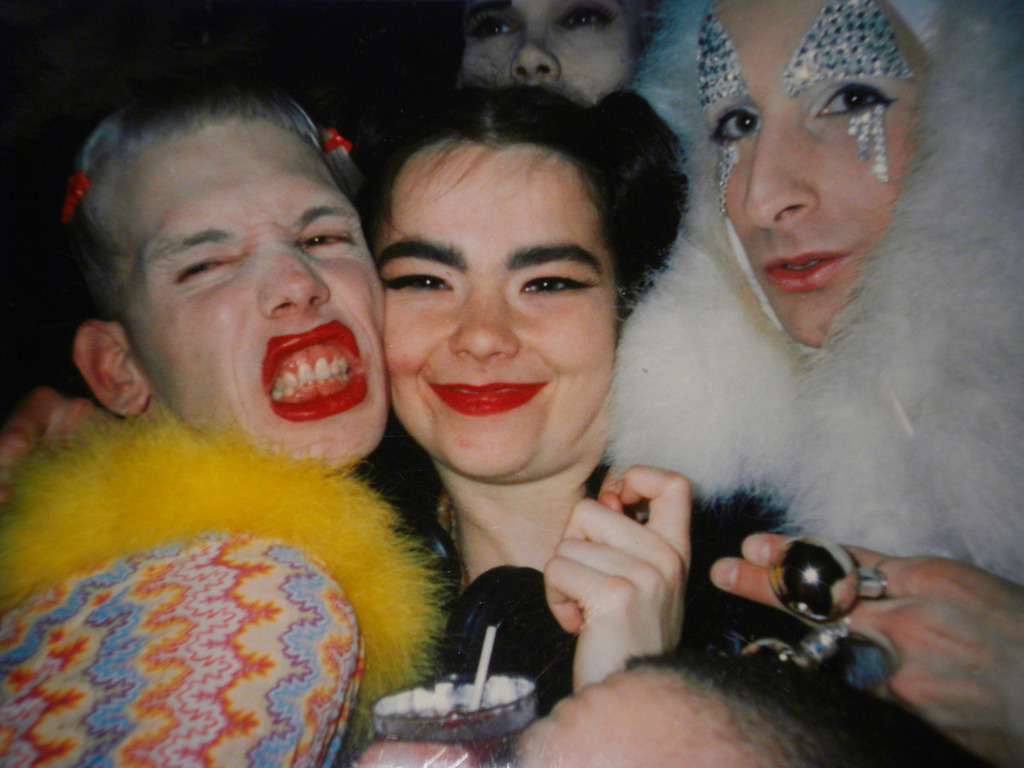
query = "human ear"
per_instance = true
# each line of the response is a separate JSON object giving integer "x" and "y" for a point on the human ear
{"x": 103, "y": 355}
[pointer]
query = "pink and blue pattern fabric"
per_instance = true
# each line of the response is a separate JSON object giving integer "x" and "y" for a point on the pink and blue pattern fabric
{"x": 224, "y": 651}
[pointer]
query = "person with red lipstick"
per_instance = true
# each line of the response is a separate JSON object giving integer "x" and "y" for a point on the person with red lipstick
{"x": 206, "y": 581}
{"x": 509, "y": 231}
{"x": 841, "y": 328}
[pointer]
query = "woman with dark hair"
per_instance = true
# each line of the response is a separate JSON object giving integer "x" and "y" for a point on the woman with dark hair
{"x": 507, "y": 230}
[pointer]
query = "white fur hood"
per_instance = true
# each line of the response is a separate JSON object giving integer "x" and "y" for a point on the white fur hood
{"x": 905, "y": 432}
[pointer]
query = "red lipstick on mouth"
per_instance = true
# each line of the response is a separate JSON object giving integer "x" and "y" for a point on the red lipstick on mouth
{"x": 322, "y": 398}
{"x": 804, "y": 273}
{"x": 488, "y": 399}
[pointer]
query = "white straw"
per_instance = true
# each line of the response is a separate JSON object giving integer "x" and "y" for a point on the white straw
{"x": 481, "y": 667}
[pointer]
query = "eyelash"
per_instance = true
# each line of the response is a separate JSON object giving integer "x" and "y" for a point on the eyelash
{"x": 485, "y": 25}
{"x": 554, "y": 285}
{"x": 417, "y": 282}
{"x": 871, "y": 96}
{"x": 587, "y": 15}
{"x": 322, "y": 240}
{"x": 434, "y": 283}
{"x": 728, "y": 128}
{"x": 195, "y": 269}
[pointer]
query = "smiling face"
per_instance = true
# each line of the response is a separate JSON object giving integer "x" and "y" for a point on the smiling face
{"x": 582, "y": 48}
{"x": 813, "y": 123}
{"x": 254, "y": 300}
{"x": 499, "y": 312}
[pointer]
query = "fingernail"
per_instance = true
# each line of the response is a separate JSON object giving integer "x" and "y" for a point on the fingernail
{"x": 724, "y": 574}
{"x": 757, "y": 548}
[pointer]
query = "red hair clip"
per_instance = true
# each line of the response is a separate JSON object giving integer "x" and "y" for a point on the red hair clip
{"x": 78, "y": 185}
{"x": 335, "y": 140}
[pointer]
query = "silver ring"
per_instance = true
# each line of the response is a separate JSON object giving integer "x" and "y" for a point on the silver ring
{"x": 871, "y": 582}
{"x": 820, "y": 581}
{"x": 823, "y": 643}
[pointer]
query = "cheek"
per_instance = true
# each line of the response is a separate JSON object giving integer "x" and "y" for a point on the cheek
{"x": 486, "y": 60}
{"x": 584, "y": 341}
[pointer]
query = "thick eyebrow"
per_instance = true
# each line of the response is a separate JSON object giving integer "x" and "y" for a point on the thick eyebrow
{"x": 422, "y": 249}
{"x": 488, "y": 5}
{"x": 545, "y": 254}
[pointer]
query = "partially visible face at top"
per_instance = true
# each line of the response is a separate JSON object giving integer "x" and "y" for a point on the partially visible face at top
{"x": 255, "y": 301}
{"x": 812, "y": 107}
{"x": 500, "y": 322}
{"x": 581, "y": 48}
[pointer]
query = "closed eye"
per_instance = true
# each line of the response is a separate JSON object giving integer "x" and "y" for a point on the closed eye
{"x": 196, "y": 269}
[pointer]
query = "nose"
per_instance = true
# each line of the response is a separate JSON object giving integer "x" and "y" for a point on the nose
{"x": 485, "y": 329}
{"x": 534, "y": 64}
{"x": 289, "y": 284}
{"x": 781, "y": 186}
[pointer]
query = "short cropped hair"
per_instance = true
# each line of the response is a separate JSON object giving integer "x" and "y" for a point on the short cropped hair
{"x": 798, "y": 718}
{"x": 626, "y": 155}
{"x": 166, "y": 112}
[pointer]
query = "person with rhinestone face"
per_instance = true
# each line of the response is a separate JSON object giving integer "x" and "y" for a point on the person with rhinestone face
{"x": 841, "y": 327}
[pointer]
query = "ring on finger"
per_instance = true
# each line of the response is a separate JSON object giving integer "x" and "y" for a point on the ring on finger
{"x": 819, "y": 580}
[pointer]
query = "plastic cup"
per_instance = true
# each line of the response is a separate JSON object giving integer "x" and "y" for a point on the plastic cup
{"x": 443, "y": 713}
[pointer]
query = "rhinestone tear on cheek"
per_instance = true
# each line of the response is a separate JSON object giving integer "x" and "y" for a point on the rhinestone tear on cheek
{"x": 851, "y": 39}
{"x": 728, "y": 156}
{"x": 720, "y": 78}
{"x": 869, "y": 129}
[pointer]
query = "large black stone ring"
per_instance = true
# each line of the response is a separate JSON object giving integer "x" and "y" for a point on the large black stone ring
{"x": 819, "y": 580}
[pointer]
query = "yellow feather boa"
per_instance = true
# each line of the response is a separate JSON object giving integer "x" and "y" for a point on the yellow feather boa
{"x": 129, "y": 487}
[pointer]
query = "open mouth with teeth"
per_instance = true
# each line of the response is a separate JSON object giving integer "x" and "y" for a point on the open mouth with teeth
{"x": 314, "y": 374}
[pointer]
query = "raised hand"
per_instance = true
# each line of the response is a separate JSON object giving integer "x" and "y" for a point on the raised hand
{"x": 958, "y": 634}
{"x": 619, "y": 583}
{"x": 42, "y": 415}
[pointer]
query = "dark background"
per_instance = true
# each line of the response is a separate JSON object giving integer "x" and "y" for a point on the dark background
{"x": 65, "y": 64}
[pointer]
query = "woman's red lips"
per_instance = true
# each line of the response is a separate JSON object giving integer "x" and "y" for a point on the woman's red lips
{"x": 803, "y": 273}
{"x": 486, "y": 399}
{"x": 314, "y": 374}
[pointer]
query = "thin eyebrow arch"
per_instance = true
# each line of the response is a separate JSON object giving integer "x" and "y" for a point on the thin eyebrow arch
{"x": 545, "y": 254}
{"x": 422, "y": 249}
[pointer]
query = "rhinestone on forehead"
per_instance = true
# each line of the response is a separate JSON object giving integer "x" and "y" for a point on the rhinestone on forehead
{"x": 850, "y": 38}
{"x": 718, "y": 67}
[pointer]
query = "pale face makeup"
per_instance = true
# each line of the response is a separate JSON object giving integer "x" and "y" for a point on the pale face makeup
{"x": 582, "y": 48}
{"x": 500, "y": 321}
{"x": 811, "y": 104}
{"x": 255, "y": 301}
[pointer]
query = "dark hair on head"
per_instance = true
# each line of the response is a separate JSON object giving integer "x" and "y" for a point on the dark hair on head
{"x": 801, "y": 718}
{"x": 625, "y": 153}
{"x": 166, "y": 111}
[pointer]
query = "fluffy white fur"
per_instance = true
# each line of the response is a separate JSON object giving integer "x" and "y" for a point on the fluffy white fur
{"x": 905, "y": 432}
